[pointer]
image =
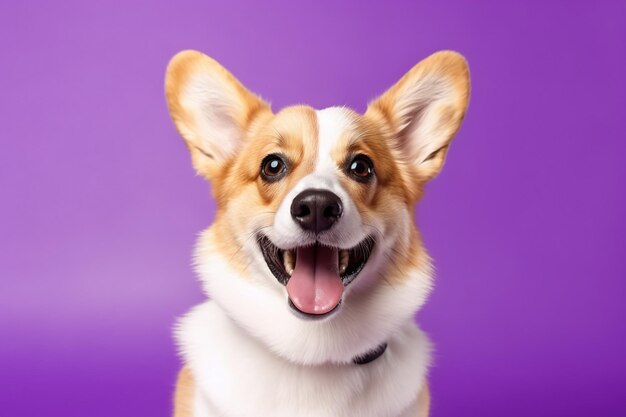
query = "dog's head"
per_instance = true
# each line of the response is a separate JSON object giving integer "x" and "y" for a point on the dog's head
{"x": 314, "y": 249}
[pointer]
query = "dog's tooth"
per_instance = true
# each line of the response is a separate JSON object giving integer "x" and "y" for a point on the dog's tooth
{"x": 289, "y": 260}
{"x": 343, "y": 260}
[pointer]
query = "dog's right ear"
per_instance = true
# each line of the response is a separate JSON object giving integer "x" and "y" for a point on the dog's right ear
{"x": 211, "y": 109}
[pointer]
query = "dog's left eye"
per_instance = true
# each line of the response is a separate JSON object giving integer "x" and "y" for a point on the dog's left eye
{"x": 273, "y": 167}
{"x": 361, "y": 168}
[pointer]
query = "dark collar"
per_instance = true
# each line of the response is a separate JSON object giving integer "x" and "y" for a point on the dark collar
{"x": 370, "y": 356}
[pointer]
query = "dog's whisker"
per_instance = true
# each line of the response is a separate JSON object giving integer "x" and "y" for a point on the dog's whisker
{"x": 384, "y": 278}
{"x": 250, "y": 236}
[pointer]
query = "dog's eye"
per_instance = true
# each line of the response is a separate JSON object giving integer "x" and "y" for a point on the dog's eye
{"x": 273, "y": 167}
{"x": 361, "y": 168}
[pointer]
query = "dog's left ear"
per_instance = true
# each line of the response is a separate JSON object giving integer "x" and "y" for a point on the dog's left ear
{"x": 424, "y": 110}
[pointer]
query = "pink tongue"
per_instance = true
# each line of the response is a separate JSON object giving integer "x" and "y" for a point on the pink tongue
{"x": 315, "y": 286}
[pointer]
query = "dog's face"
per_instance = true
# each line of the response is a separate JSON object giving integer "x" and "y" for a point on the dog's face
{"x": 315, "y": 207}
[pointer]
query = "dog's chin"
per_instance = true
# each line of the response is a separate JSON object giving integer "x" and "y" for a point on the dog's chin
{"x": 283, "y": 263}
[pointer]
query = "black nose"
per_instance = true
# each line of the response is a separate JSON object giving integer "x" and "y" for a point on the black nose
{"x": 316, "y": 210}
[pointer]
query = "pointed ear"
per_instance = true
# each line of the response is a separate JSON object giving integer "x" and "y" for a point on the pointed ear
{"x": 210, "y": 108}
{"x": 424, "y": 110}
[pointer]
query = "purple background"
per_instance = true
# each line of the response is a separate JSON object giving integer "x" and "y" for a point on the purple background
{"x": 100, "y": 206}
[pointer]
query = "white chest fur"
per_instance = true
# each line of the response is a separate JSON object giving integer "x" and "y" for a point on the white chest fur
{"x": 236, "y": 375}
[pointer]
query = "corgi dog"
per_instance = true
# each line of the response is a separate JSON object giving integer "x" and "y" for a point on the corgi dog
{"x": 313, "y": 266}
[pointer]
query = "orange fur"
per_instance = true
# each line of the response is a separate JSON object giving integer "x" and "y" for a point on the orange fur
{"x": 423, "y": 401}
{"x": 183, "y": 397}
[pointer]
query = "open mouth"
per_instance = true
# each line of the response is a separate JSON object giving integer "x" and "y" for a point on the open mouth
{"x": 315, "y": 275}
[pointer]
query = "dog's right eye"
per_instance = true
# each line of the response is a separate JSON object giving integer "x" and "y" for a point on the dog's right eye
{"x": 273, "y": 167}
